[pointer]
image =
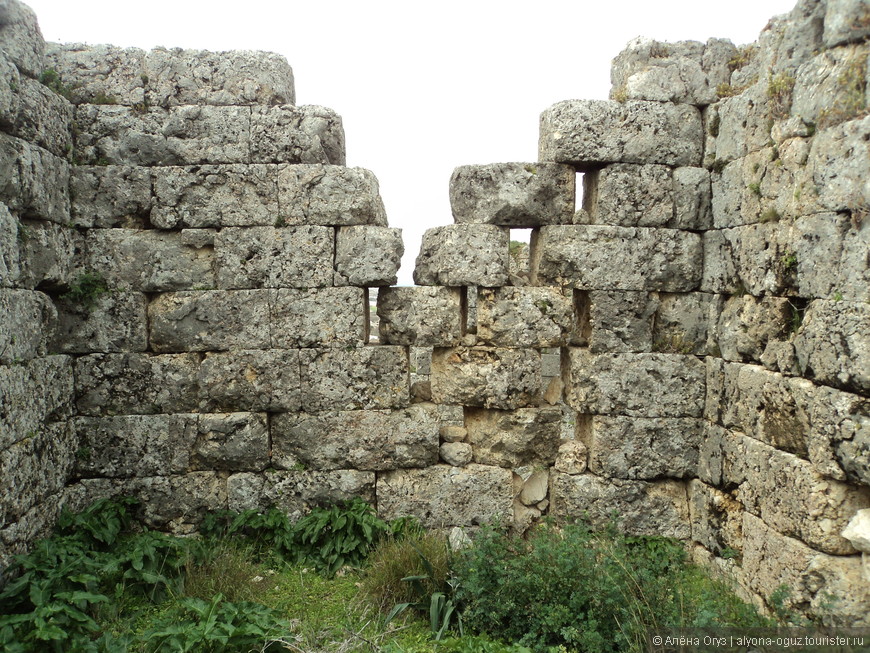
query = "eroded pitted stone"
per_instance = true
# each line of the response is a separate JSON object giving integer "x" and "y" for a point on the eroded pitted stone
{"x": 513, "y": 194}
{"x": 22, "y": 40}
{"x": 630, "y": 195}
{"x": 110, "y": 196}
{"x": 717, "y": 518}
{"x": 839, "y": 162}
{"x": 830, "y": 254}
{"x": 525, "y": 317}
{"x": 231, "y": 441}
{"x": 754, "y": 258}
{"x": 107, "y": 73}
{"x": 420, "y": 315}
{"x": 27, "y": 326}
{"x": 329, "y": 195}
{"x": 747, "y": 324}
{"x": 846, "y": 20}
{"x": 685, "y": 323}
{"x": 488, "y": 377}
{"x": 590, "y": 133}
{"x": 367, "y": 256}
{"x": 116, "y": 322}
{"x": 243, "y": 380}
{"x": 289, "y": 134}
{"x": 10, "y": 259}
{"x": 44, "y": 118}
{"x": 611, "y": 321}
{"x": 34, "y": 183}
{"x": 526, "y": 436}
{"x": 463, "y": 255}
{"x": 320, "y": 317}
{"x": 51, "y": 255}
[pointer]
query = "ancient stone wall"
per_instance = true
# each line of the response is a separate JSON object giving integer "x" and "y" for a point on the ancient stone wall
{"x": 185, "y": 265}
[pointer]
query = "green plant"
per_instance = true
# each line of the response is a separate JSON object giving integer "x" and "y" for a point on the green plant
{"x": 770, "y": 214}
{"x": 755, "y": 189}
{"x": 788, "y": 261}
{"x": 713, "y": 125}
{"x": 718, "y": 165}
{"x": 86, "y": 290}
{"x": 725, "y": 89}
{"x": 53, "y": 81}
{"x": 743, "y": 57}
{"x": 101, "y": 97}
{"x": 619, "y": 95}
{"x": 851, "y": 98}
{"x": 779, "y": 92}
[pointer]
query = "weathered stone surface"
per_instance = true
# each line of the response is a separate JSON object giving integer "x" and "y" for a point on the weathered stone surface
{"x": 771, "y": 560}
{"x": 320, "y": 317}
{"x": 754, "y": 258}
{"x": 639, "y": 507}
{"x": 744, "y": 124}
{"x": 133, "y": 383}
{"x": 463, "y": 255}
{"x": 458, "y": 454}
{"x": 178, "y": 136}
{"x": 630, "y": 195}
{"x": 845, "y": 20}
{"x": 288, "y": 134}
{"x": 527, "y": 436}
{"x": 823, "y": 89}
{"x": 148, "y": 261}
{"x": 717, "y": 518}
{"x": 833, "y": 344}
{"x": 117, "y": 322}
{"x": 447, "y": 496}
{"x": 643, "y": 447}
{"x": 830, "y": 254}
{"x": 243, "y": 380}
{"x": 535, "y": 487}
{"x": 50, "y": 255}
{"x": 513, "y": 194}
{"x": 215, "y": 196}
{"x": 747, "y": 324}
{"x": 110, "y": 196}
{"x": 686, "y": 71}
{"x": 44, "y": 118}
{"x": 22, "y": 41}
{"x": 367, "y": 256}
{"x": 10, "y": 260}
{"x": 100, "y": 72}
{"x": 297, "y": 492}
{"x": 231, "y": 441}
{"x": 134, "y": 445}
{"x": 488, "y": 377}
{"x": 857, "y": 531}
{"x": 354, "y": 378}
{"x": 599, "y": 257}
{"x": 10, "y": 102}
{"x": 270, "y": 257}
{"x": 839, "y": 162}
{"x": 27, "y": 325}
{"x": 368, "y": 440}
{"x": 588, "y": 133}
{"x": 329, "y": 195}
{"x": 525, "y": 317}
{"x": 571, "y": 458}
{"x": 686, "y": 323}
{"x": 239, "y": 77}
{"x": 36, "y": 524}
{"x": 693, "y": 198}
{"x": 209, "y": 320}
{"x": 453, "y": 433}
{"x": 33, "y": 182}
{"x": 638, "y": 385}
{"x": 420, "y": 315}
{"x": 610, "y": 321}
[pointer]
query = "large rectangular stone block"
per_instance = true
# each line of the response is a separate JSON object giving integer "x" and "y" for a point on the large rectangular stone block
{"x": 442, "y": 496}
{"x": 354, "y": 378}
{"x": 615, "y": 321}
{"x": 513, "y": 194}
{"x": 257, "y": 380}
{"x": 753, "y": 258}
{"x": 525, "y": 317}
{"x": 630, "y": 195}
{"x": 100, "y": 72}
{"x": 27, "y": 325}
{"x": 830, "y": 257}
{"x": 270, "y": 257}
{"x": 599, "y": 257}
{"x": 34, "y": 183}
{"x": 368, "y": 440}
{"x": 639, "y": 507}
{"x": 425, "y": 316}
{"x": 110, "y": 196}
{"x": 488, "y": 377}
{"x": 526, "y": 436}
{"x": 232, "y": 442}
{"x": 51, "y": 255}
{"x": 637, "y": 385}
{"x": 116, "y": 322}
{"x": 747, "y": 324}
{"x": 589, "y": 133}
{"x": 685, "y": 323}
{"x": 10, "y": 248}
{"x": 329, "y": 195}
{"x": 367, "y": 256}
{"x": 320, "y": 317}
{"x": 44, "y": 118}
{"x": 240, "y": 195}
{"x": 134, "y": 383}
{"x": 289, "y": 134}
{"x": 840, "y": 166}
{"x": 22, "y": 40}
{"x": 717, "y": 518}
{"x": 463, "y": 255}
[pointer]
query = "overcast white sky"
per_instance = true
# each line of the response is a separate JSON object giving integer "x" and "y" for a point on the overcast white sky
{"x": 421, "y": 87}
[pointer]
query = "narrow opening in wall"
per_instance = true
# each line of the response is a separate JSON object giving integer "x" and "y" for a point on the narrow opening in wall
{"x": 587, "y": 194}
{"x": 583, "y": 429}
{"x": 371, "y": 334}
{"x": 463, "y": 310}
{"x": 520, "y": 256}
{"x": 580, "y": 191}
{"x": 582, "y": 327}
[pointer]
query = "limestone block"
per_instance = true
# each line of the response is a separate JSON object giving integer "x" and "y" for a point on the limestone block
{"x": 513, "y": 194}
{"x": 33, "y": 182}
{"x": 527, "y": 436}
{"x": 44, "y": 118}
{"x": 215, "y": 196}
{"x": 442, "y": 495}
{"x": 747, "y": 324}
{"x": 36, "y": 524}
{"x": 686, "y": 71}
{"x": 35, "y": 468}
{"x": 133, "y": 383}
{"x": 27, "y": 325}
{"x": 100, "y": 72}
{"x": 588, "y": 133}
{"x": 187, "y": 135}
{"x": 611, "y": 321}
{"x": 822, "y": 88}
{"x": 289, "y": 134}
{"x": 489, "y": 377}
{"x": 198, "y": 237}
{"x": 329, "y": 195}
{"x": 452, "y": 433}
{"x": 116, "y": 322}
{"x": 354, "y": 378}
{"x": 458, "y": 454}
{"x": 840, "y": 166}
{"x": 693, "y": 198}
{"x": 630, "y": 195}
{"x": 845, "y": 20}
{"x": 10, "y": 260}
{"x": 231, "y": 441}
{"x": 743, "y": 124}
{"x": 250, "y": 379}
{"x": 272, "y": 257}
{"x": 419, "y": 315}
{"x": 367, "y": 440}
{"x": 127, "y": 446}
{"x": 771, "y": 560}
{"x": 754, "y": 258}
{"x": 599, "y": 257}
{"x": 320, "y": 317}
{"x": 643, "y": 447}
{"x": 571, "y": 458}
{"x": 297, "y": 492}
{"x": 637, "y": 385}
{"x": 367, "y": 256}
{"x": 830, "y": 254}
{"x": 717, "y": 518}
{"x": 10, "y": 102}
{"x": 639, "y": 507}
{"x": 857, "y": 531}
{"x": 686, "y": 323}
{"x": 110, "y": 196}
{"x": 210, "y": 320}
{"x": 833, "y": 344}
{"x": 148, "y": 261}
{"x": 525, "y": 317}
{"x": 22, "y": 40}
{"x": 50, "y": 254}
{"x": 239, "y": 77}
{"x": 463, "y": 255}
